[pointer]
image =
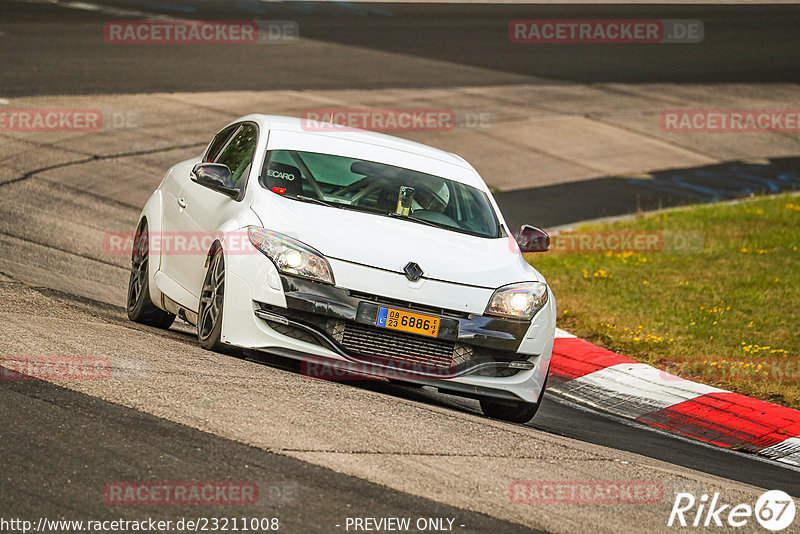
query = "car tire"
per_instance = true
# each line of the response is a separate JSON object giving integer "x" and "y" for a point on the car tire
{"x": 212, "y": 298}
{"x": 139, "y": 305}
{"x": 513, "y": 412}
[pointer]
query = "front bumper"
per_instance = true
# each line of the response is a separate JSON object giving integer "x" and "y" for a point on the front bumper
{"x": 472, "y": 355}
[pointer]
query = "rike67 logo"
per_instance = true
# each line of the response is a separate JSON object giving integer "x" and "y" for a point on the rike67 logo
{"x": 774, "y": 510}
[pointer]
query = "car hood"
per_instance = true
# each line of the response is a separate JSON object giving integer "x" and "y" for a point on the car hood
{"x": 389, "y": 244}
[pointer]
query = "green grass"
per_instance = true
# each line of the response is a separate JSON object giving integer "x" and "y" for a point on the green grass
{"x": 713, "y": 314}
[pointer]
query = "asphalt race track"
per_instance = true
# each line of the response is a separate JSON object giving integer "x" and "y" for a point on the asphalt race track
{"x": 305, "y": 497}
{"x": 56, "y": 55}
{"x": 323, "y": 451}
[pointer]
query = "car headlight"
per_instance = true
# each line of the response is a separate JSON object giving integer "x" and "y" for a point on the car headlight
{"x": 290, "y": 255}
{"x": 521, "y": 300}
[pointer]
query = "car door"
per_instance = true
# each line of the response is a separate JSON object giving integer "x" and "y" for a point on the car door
{"x": 205, "y": 210}
{"x": 173, "y": 214}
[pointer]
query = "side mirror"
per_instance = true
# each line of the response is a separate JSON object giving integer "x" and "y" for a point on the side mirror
{"x": 532, "y": 239}
{"x": 215, "y": 176}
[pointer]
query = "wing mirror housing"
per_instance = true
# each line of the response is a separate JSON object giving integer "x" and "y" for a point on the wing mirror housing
{"x": 215, "y": 176}
{"x": 532, "y": 239}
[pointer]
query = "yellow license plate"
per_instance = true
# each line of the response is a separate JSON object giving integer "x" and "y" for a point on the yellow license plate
{"x": 416, "y": 323}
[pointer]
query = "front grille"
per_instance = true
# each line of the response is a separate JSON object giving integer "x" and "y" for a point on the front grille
{"x": 397, "y": 347}
{"x": 400, "y": 350}
{"x": 496, "y": 372}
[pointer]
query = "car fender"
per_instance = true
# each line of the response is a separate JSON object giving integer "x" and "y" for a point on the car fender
{"x": 152, "y": 212}
{"x": 249, "y": 276}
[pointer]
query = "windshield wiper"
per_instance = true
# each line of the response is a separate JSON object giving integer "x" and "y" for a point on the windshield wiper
{"x": 340, "y": 205}
{"x": 316, "y": 201}
{"x": 412, "y": 218}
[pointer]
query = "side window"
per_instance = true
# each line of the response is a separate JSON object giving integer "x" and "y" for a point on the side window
{"x": 237, "y": 154}
{"x": 218, "y": 143}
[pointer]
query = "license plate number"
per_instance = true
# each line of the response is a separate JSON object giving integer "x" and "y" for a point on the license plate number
{"x": 415, "y": 323}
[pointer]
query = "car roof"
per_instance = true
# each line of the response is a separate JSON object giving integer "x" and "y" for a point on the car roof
{"x": 298, "y": 125}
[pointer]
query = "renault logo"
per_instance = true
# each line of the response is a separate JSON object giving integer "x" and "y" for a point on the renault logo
{"x": 413, "y": 271}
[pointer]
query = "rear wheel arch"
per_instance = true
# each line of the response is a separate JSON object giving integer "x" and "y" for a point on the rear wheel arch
{"x": 139, "y": 304}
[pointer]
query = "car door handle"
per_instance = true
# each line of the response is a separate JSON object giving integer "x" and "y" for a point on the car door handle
{"x": 181, "y": 203}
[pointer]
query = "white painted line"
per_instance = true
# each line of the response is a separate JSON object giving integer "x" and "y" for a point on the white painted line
{"x": 787, "y": 451}
{"x": 630, "y": 390}
{"x": 86, "y": 6}
{"x": 633, "y": 389}
{"x": 627, "y": 421}
{"x": 4, "y": 102}
{"x": 562, "y": 334}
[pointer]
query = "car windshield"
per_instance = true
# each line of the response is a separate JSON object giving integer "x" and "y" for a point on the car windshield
{"x": 371, "y": 187}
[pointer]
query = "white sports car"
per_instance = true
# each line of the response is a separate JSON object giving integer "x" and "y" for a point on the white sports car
{"x": 381, "y": 256}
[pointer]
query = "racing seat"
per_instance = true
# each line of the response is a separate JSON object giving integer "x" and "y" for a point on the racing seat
{"x": 283, "y": 179}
